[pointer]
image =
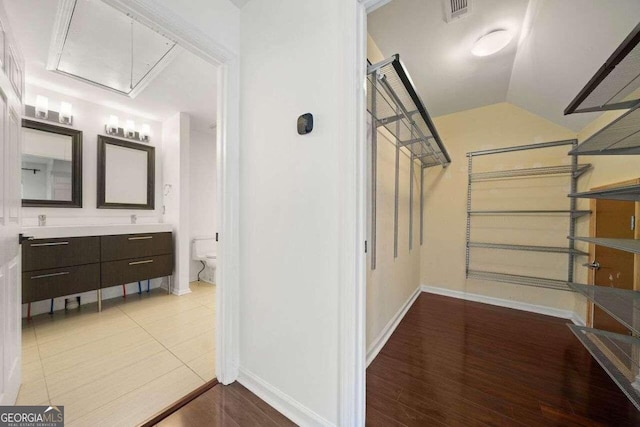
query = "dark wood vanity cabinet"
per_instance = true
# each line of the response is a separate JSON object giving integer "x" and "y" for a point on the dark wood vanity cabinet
{"x": 51, "y": 253}
{"x": 131, "y": 257}
{"x": 64, "y": 266}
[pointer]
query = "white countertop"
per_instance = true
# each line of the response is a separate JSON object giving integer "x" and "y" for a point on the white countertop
{"x": 52, "y": 232}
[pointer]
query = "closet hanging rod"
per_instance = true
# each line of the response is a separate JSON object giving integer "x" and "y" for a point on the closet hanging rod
{"x": 521, "y": 148}
{"x": 394, "y": 81}
{"x": 412, "y": 124}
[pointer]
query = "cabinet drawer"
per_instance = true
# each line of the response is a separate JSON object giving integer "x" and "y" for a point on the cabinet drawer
{"x": 135, "y": 246}
{"x": 45, "y": 284}
{"x": 42, "y": 254}
{"x": 131, "y": 270}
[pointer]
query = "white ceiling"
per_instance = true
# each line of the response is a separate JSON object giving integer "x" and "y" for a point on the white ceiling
{"x": 568, "y": 42}
{"x": 562, "y": 45}
{"x": 438, "y": 55}
{"x": 187, "y": 84}
{"x": 239, "y": 3}
{"x": 121, "y": 58}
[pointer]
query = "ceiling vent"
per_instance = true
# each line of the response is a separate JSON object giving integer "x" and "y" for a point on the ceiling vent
{"x": 456, "y": 9}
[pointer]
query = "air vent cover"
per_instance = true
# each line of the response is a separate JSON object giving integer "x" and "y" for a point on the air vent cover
{"x": 456, "y": 9}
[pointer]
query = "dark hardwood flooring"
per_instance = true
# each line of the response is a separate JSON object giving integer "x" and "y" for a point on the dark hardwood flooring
{"x": 228, "y": 406}
{"x": 457, "y": 363}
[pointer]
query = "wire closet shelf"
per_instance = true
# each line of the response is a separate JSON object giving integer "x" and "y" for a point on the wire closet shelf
{"x": 573, "y": 171}
{"x": 613, "y": 87}
{"x": 394, "y": 104}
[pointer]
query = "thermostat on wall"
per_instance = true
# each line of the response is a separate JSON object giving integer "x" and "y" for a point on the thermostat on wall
{"x": 305, "y": 123}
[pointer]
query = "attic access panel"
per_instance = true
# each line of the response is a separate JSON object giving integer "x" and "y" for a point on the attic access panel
{"x": 104, "y": 47}
{"x": 614, "y": 82}
{"x": 394, "y": 103}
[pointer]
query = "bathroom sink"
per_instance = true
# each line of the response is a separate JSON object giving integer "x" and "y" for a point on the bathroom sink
{"x": 54, "y": 231}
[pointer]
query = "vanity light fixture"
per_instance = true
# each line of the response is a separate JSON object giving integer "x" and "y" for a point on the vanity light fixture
{"x": 41, "y": 111}
{"x": 145, "y": 133}
{"x": 42, "y": 107}
{"x": 491, "y": 43}
{"x": 112, "y": 125}
{"x": 130, "y": 129}
{"x": 66, "y": 115}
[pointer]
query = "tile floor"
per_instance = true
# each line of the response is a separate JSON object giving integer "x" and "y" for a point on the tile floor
{"x": 120, "y": 366}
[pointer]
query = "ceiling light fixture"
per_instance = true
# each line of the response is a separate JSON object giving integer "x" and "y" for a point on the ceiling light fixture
{"x": 491, "y": 43}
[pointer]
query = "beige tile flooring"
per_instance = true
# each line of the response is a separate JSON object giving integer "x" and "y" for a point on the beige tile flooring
{"x": 120, "y": 366}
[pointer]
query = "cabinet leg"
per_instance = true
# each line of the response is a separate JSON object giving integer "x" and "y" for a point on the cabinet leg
{"x": 169, "y": 286}
{"x": 99, "y": 300}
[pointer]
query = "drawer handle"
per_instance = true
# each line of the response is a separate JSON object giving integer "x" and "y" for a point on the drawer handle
{"x": 49, "y": 244}
{"x": 42, "y": 276}
{"x": 141, "y": 238}
{"x": 149, "y": 261}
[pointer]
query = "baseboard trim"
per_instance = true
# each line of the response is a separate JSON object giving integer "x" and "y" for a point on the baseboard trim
{"x": 180, "y": 292}
{"x": 532, "y": 308}
{"x": 283, "y": 403}
{"x": 390, "y": 327}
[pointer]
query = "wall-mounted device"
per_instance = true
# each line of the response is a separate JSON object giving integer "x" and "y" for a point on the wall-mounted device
{"x": 305, "y": 123}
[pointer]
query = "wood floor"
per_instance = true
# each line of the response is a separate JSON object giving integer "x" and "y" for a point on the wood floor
{"x": 228, "y": 406}
{"x": 458, "y": 363}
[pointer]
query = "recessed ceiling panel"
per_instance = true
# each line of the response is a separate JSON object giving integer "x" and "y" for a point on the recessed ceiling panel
{"x": 106, "y": 47}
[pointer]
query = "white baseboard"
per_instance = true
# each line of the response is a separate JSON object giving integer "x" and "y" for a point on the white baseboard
{"x": 533, "y": 308}
{"x": 181, "y": 292}
{"x": 283, "y": 403}
{"x": 391, "y": 326}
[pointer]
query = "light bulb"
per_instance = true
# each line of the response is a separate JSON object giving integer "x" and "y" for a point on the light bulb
{"x": 145, "y": 132}
{"x": 112, "y": 125}
{"x": 65, "y": 113}
{"x": 130, "y": 129}
{"x": 42, "y": 107}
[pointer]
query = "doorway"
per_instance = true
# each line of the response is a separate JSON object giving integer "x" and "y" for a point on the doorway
{"x": 133, "y": 291}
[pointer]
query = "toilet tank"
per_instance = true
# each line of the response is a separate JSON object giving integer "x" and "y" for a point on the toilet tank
{"x": 201, "y": 246}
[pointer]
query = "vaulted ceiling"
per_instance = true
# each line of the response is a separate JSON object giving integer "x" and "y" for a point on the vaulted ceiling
{"x": 556, "y": 48}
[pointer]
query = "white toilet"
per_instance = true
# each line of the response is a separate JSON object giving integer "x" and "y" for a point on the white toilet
{"x": 203, "y": 249}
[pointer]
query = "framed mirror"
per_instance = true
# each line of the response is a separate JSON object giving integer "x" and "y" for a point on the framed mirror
{"x": 51, "y": 165}
{"x": 126, "y": 174}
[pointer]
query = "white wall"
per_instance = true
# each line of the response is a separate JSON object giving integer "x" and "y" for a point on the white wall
{"x": 394, "y": 280}
{"x": 90, "y": 118}
{"x": 202, "y": 193}
{"x": 443, "y": 251}
{"x": 296, "y": 58}
{"x": 217, "y": 19}
{"x": 175, "y": 164}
